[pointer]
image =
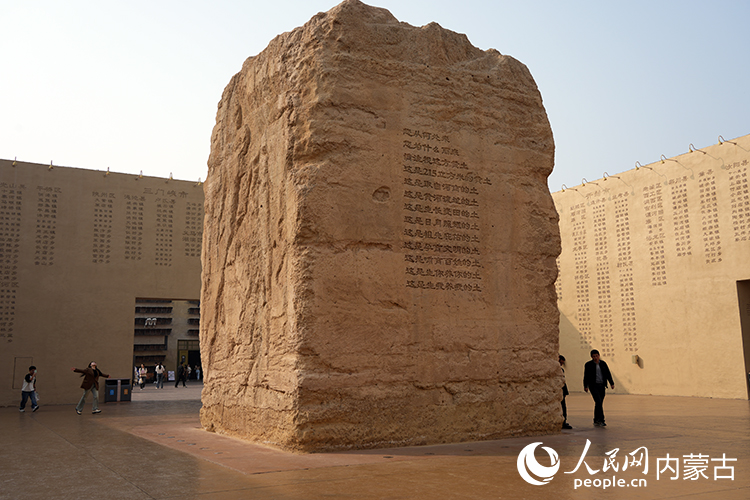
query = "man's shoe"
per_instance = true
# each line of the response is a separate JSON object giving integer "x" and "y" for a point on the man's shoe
{"x": 597, "y": 424}
{"x": 21, "y": 410}
{"x": 602, "y": 424}
{"x": 35, "y": 408}
{"x": 96, "y": 411}
{"x": 78, "y": 411}
{"x": 567, "y": 426}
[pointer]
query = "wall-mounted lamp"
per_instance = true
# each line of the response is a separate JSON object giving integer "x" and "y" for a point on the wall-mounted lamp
{"x": 50, "y": 165}
{"x": 637, "y": 360}
{"x": 107, "y": 171}
{"x": 199, "y": 182}
{"x": 722, "y": 141}
{"x": 14, "y": 161}
{"x": 638, "y": 165}
{"x": 692, "y": 149}
{"x": 664, "y": 158}
{"x": 607, "y": 176}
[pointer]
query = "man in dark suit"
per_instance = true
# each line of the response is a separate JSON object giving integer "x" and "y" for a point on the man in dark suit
{"x": 596, "y": 374}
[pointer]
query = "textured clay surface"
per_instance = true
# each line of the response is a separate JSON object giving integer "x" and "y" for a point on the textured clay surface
{"x": 380, "y": 242}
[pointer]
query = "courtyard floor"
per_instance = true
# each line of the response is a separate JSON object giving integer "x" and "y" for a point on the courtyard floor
{"x": 154, "y": 448}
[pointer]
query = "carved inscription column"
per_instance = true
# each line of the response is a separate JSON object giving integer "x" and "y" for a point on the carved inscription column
{"x": 134, "y": 226}
{"x": 740, "y": 200}
{"x": 46, "y": 225}
{"x": 603, "y": 292}
{"x": 654, "y": 207}
{"x": 102, "y": 235}
{"x": 625, "y": 271}
{"x": 193, "y": 233}
{"x": 164, "y": 231}
{"x": 578, "y": 221}
{"x": 441, "y": 215}
{"x": 680, "y": 216}
{"x": 11, "y": 201}
{"x": 709, "y": 217}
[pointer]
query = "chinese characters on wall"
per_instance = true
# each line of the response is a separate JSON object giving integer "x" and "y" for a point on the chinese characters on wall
{"x": 441, "y": 230}
{"x": 579, "y": 223}
{"x": 46, "y": 225}
{"x": 134, "y": 205}
{"x": 681, "y": 217}
{"x": 603, "y": 291}
{"x": 625, "y": 271}
{"x": 11, "y": 203}
{"x": 102, "y": 234}
{"x": 666, "y": 232}
{"x": 164, "y": 231}
{"x": 193, "y": 233}
{"x": 654, "y": 212}
{"x": 709, "y": 217}
{"x": 740, "y": 200}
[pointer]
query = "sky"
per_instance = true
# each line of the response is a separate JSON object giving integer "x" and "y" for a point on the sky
{"x": 133, "y": 86}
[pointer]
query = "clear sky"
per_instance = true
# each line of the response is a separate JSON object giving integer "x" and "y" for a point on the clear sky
{"x": 133, "y": 85}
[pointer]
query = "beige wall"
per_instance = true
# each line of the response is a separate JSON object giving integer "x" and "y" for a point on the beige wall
{"x": 79, "y": 246}
{"x": 650, "y": 264}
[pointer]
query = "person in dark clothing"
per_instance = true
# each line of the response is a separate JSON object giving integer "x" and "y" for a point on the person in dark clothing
{"x": 596, "y": 374}
{"x": 90, "y": 384}
{"x": 181, "y": 374}
{"x": 565, "y": 392}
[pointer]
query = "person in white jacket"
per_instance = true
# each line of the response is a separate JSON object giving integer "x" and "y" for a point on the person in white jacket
{"x": 159, "y": 370}
{"x": 28, "y": 390}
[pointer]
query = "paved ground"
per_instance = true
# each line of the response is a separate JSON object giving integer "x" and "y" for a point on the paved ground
{"x": 153, "y": 448}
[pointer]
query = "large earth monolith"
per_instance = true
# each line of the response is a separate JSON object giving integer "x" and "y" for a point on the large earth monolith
{"x": 380, "y": 242}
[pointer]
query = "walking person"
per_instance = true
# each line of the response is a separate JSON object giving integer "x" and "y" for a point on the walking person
{"x": 90, "y": 384}
{"x": 596, "y": 374}
{"x": 565, "y": 392}
{"x": 198, "y": 372}
{"x": 159, "y": 370}
{"x": 28, "y": 390}
{"x": 180, "y": 376}
{"x": 142, "y": 372}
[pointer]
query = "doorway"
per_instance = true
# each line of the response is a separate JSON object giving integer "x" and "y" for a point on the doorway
{"x": 189, "y": 352}
{"x": 743, "y": 295}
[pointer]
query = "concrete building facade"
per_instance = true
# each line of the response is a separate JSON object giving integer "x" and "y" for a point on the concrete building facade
{"x": 82, "y": 253}
{"x": 655, "y": 274}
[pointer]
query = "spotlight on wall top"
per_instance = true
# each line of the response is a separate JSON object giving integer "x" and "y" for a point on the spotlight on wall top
{"x": 722, "y": 141}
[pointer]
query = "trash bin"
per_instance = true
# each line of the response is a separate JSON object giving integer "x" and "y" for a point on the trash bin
{"x": 125, "y": 389}
{"x": 111, "y": 391}
{"x": 116, "y": 389}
